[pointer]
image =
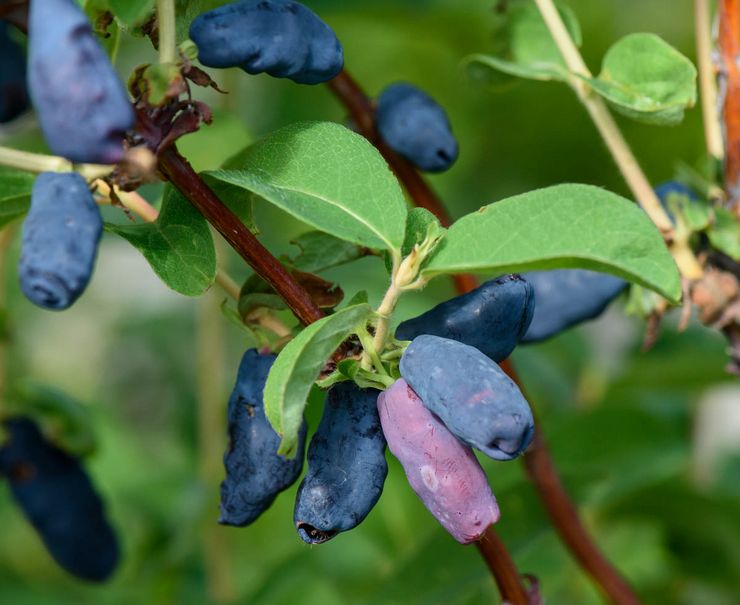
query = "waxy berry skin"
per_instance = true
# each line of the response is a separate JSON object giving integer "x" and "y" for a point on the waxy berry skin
{"x": 443, "y": 472}
{"x": 279, "y": 37}
{"x": 416, "y": 127}
{"x": 492, "y": 318}
{"x": 346, "y": 465}
{"x": 81, "y": 104}
{"x": 567, "y": 297}
{"x": 255, "y": 473}
{"x": 56, "y": 495}
{"x": 60, "y": 241}
{"x": 13, "y": 92}
{"x": 470, "y": 394}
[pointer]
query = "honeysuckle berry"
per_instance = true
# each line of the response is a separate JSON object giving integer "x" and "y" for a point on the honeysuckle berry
{"x": 346, "y": 465}
{"x": 443, "y": 472}
{"x": 470, "y": 394}
{"x": 255, "y": 472}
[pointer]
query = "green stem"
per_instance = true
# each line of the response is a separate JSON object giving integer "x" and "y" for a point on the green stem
{"x": 369, "y": 347}
{"x": 707, "y": 79}
{"x": 39, "y": 162}
{"x": 167, "y": 31}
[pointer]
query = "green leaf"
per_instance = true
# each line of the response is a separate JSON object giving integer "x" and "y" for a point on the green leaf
{"x": 299, "y": 365}
{"x": 64, "y": 421}
{"x": 328, "y": 177}
{"x": 321, "y": 251}
{"x": 724, "y": 234}
{"x": 15, "y": 194}
{"x": 178, "y": 245}
{"x": 420, "y": 225}
{"x": 561, "y": 226}
{"x": 646, "y": 79}
{"x": 529, "y": 51}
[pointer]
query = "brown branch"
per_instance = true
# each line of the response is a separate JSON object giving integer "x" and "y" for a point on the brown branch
{"x": 499, "y": 562}
{"x": 537, "y": 460}
{"x": 16, "y": 13}
{"x": 729, "y": 46}
{"x": 179, "y": 172}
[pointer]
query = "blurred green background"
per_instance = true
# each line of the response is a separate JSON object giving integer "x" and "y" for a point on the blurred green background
{"x": 647, "y": 443}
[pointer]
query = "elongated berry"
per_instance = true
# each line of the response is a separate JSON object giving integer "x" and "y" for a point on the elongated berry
{"x": 492, "y": 318}
{"x": 60, "y": 240}
{"x": 81, "y": 104}
{"x": 470, "y": 394}
{"x": 442, "y": 471}
{"x": 282, "y": 38}
{"x": 13, "y": 93}
{"x": 415, "y": 126}
{"x": 56, "y": 495}
{"x": 255, "y": 473}
{"x": 346, "y": 465}
{"x": 567, "y": 297}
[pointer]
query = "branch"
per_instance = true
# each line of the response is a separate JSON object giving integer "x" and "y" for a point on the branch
{"x": 707, "y": 79}
{"x": 179, "y": 172}
{"x": 729, "y": 45}
{"x": 349, "y": 93}
{"x": 537, "y": 459}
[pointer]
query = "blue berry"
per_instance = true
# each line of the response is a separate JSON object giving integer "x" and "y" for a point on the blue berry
{"x": 279, "y": 37}
{"x": 567, "y": 297}
{"x": 81, "y": 104}
{"x": 492, "y": 318}
{"x": 56, "y": 495}
{"x": 60, "y": 240}
{"x": 470, "y": 394}
{"x": 416, "y": 127}
{"x": 255, "y": 473}
{"x": 13, "y": 93}
{"x": 346, "y": 465}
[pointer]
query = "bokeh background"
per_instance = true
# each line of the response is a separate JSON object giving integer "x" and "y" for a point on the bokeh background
{"x": 647, "y": 443}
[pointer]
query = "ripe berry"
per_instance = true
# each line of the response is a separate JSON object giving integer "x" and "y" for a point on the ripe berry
{"x": 415, "y": 126}
{"x": 470, "y": 394}
{"x": 56, "y": 495}
{"x": 492, "y": 318}
{"x": 255, "y": 473}
{"x": 567, "y": 297}
{"x": 60, "y": 240}
{"x": 81, "y": 104}
{"x": 346, "y": 465}
{"x": 279, "y": 37}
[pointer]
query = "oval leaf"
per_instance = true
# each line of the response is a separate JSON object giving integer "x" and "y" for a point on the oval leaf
{"x": 328, "y": 177}
{"x": 299, "y": 365}
{"x": 646, "y": 79}
{"x": 178, "y": 245}
{"x": 15, "y": 193}
{"x": 560, "y": 227}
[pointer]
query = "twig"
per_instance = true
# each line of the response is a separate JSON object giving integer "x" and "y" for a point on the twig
{"x": 167, "y": 31}
{"x": 707, "y": 79}
{"x": 556, "y": 500}
{"x": 178, "y": 171}
{"x": 615, "y": 142}
{"x": 349, "y": 93}
{"x": 729, "y": 44}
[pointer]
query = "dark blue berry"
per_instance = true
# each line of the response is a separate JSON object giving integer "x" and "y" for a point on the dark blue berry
{"x": 279, "y": 37}
{"x": 80, "y": 102}
{"x": 567, "y": 297}
{"x": 255, "y": 473}
{"x": 59, "y": 500}
{"x": 346, "y": 465}
{"x": 60, "y": 240}
{"x": 13, "y": 93}
{"x": 470, "y": 394}
{"x": 492, "y": 318}
{"x": 415, "y": 126}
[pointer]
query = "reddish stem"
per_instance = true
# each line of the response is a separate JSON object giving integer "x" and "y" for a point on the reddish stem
{"x": 729, "y": 46}
{"x": 177, "y": 170}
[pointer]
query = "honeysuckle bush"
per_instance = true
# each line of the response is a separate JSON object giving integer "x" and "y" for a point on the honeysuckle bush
{"x": 625, "y": 457}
